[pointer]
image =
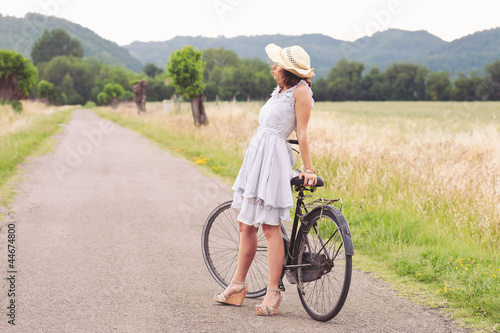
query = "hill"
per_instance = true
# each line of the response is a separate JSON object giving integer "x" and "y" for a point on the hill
{"x": 464, "y": 55}
{"x": 19, "y": 34}
{"x": 321, "y": 48}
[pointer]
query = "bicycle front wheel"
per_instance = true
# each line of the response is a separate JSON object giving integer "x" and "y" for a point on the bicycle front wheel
{"x": 220, "y": 241}
{"x": 324, "y": 279}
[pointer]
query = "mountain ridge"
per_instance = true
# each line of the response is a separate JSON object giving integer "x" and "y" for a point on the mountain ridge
{"x": 19, "y": 34}
{"x": 462, "y": 55}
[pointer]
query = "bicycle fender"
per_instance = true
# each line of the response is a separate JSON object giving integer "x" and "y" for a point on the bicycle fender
{"x": 344, "y": 227}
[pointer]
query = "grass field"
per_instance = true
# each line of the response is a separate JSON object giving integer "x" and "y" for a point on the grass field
{"x": 420, "y": 184}
{"x": 23, "y": 134}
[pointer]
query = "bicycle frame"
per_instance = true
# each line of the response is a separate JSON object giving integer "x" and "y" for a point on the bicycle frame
{"x": 291, "y": 256}
{"x": 298, "y": 214}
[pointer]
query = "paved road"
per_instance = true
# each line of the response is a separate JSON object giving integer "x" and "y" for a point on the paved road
{"x": 108, "y": 240}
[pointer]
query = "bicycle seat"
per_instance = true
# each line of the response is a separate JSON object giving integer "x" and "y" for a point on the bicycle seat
{"x": 300, "y": 182}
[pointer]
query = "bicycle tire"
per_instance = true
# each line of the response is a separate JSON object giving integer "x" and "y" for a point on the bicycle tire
{"x": 323, "y": 287}
{"x": 220, "y": 241}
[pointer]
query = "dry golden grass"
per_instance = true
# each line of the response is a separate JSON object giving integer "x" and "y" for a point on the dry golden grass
{"x": 442, "y": 159}
{"x": 449, "y": 168}
{"x": 231, "y": 125}
{"x": 11, "y": 122}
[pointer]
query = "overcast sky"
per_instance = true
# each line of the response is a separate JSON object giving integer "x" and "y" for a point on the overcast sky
{"x": 151, "y": 20}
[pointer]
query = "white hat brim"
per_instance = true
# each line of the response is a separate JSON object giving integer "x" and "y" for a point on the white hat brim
{"x": 274, "y": 53}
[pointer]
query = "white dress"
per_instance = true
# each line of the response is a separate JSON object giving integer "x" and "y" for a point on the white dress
{"x": 262, "y": 189}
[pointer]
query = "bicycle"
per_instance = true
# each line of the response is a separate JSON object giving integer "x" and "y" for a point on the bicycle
{"x": 318, "y": 252}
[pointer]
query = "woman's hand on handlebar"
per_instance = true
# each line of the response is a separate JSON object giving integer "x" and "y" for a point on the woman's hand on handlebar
{"x": 310, "y": 178}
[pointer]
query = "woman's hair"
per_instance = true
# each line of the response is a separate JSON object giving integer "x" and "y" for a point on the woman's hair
{"x": 290, "y": 79}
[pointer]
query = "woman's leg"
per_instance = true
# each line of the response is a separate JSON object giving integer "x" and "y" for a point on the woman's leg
{"x": 246, "y": 253}
{"x": 275, "y": 258}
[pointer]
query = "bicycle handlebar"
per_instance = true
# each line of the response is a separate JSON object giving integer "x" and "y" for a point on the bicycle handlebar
{"x": 300, "y": 182}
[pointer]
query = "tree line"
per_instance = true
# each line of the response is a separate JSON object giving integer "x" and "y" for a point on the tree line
{"x": 59, "y": 74}
{"x": 405, "y": 82}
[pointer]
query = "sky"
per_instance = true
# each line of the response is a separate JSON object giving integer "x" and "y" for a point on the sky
{"x": 151, "y": 20}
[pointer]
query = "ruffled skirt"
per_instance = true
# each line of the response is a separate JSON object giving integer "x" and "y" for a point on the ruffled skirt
{"x": 262, "y": 189}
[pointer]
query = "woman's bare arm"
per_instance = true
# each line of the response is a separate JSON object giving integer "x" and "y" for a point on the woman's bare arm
{"x": 303, "y": 103}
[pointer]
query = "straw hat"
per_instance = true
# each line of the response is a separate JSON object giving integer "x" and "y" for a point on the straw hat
{"x": 294, "y": 59}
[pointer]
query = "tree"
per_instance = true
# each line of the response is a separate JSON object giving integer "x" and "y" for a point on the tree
{"x": 185, "y": 69}
{"x": 227, "y": 76}
{"x": 421, "y": 83}
{"x": 321, "y": 90}
{"x": 152, "y": 70}
{"x": 218, "y": 58}
{"x": 17, "y": 76}
{"x": 53, "y": 44}
{"x": 157, "y": 90}
{"x": 240, "y": 82}
{"x": 127, "y": 96}
{"x": 102, "y": 98}
{"x": 466, "y": 88}
{"x": 44, "y": 90}
{"x": 405, "y": 82}
{"x": 67, "y": 87}
{"x": 344, "y": 80}
{"x": 139, "y": 90}
{"x": 105, "y": 74}
{"x": 113, "y": 91}
{"x": 72, "y": 76}
{"x": 492, "y": 82}
{"x": 404, "y": 87}
{"x": 372, "y": 86}
{"x": 439, "y": 86}
{"x": 50, "y": 94}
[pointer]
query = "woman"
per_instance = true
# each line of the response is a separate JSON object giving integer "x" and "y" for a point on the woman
{"x": 262, "y": 189}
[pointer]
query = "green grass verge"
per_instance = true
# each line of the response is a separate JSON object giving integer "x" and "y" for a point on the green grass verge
{"x": 31, "y": 140}
{"x": 399, "y": 243}
{"x": 434, "y": 267}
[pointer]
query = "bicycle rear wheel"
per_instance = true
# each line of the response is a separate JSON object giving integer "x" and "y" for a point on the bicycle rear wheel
{"x": 324, "y": 283}
{"x": 220, "y": 241}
